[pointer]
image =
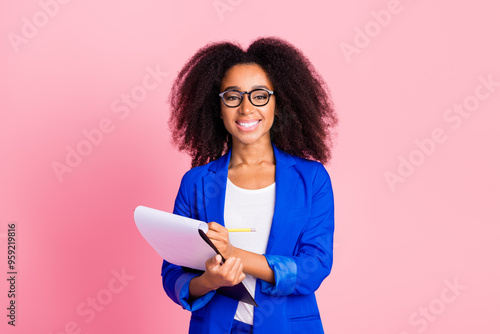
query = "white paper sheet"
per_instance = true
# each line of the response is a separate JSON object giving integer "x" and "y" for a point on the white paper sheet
{"x": 175, "y": 238}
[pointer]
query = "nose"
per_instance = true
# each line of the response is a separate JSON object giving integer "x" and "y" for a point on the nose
{"x": 246, "y": 107}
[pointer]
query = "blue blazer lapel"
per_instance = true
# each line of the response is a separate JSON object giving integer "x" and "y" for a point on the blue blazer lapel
{"x": 286, "y": 180}
{"x": 214, "y": 189}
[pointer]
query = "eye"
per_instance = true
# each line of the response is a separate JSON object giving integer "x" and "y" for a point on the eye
{"x": 232, "y": 96}
{"x": 260, "y": 95}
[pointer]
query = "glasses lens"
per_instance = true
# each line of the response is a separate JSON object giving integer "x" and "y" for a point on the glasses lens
{"x": 259, "y": 97}
{"x": 232, "y": 98}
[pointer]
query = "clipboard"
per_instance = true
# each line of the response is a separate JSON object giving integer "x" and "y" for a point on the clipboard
{"x": 182, "y": 241}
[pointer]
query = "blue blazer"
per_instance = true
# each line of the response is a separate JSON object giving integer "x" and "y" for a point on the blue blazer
{"x": 299, "y": 250}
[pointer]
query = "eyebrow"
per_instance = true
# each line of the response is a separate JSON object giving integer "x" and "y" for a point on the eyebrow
{"x": 253, "y": 87}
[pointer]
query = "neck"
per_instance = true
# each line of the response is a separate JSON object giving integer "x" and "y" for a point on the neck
{"x": 253, "y": 154}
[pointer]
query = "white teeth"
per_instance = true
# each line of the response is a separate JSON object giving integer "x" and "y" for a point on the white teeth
{"x": 247, "y": 125}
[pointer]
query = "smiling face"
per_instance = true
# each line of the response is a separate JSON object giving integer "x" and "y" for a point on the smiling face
{"x": 247, "y": 123}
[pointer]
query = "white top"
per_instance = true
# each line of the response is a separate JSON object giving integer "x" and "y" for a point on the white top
{"x": 245, "y": 208}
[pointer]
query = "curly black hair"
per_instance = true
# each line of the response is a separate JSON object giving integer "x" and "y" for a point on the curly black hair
{"x": 304, "y": 108}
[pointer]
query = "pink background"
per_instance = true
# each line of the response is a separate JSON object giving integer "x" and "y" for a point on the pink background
{"x": 398, "y": 248}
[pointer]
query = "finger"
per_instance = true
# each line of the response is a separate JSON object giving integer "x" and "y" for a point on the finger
{"x": 213, "y": 232}
{"x": 240, "y": 265}
{"x": 213, "y": 262}
{"x": 227, "y": 266}
{"x": 213, "y": 235}
{"x": 217, "y": 232}
{"x": 242, "y": 274}
{"x": 230, "y": 261}
{"x": 238, "y": 272}
{"x": 216, "y": 237}
{"x": 215, "y": 259}
{"x": 242, "y": 277}
{"x": 214, "y": 226}
{"x": 231, "y": 265}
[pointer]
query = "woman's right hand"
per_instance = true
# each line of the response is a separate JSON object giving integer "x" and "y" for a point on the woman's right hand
{"x": 216, "y": 275}
{"x": 227, "y": 274}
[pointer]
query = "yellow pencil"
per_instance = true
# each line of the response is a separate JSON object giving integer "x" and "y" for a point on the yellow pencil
{"x": 242, "y": 230}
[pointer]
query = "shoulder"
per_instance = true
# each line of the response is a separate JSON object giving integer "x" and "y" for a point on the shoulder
{"x": 312, "y": 182}
{"x": 308, "y": 169}
{"x": 315, "y": 172}
{"x": 196, "y": 173}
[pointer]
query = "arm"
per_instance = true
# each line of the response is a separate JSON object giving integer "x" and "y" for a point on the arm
{"x": 312, "y": 259}
{"x": 253, "y": 264}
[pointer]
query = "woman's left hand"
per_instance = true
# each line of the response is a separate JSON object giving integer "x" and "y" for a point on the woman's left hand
{"x": 220, "y": 237}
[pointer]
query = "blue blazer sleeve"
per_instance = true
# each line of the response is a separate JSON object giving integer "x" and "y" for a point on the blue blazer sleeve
{"x": 175, "y": 279}
{"x": 311, "y": 262}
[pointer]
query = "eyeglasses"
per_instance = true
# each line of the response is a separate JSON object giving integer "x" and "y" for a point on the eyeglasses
{"x": 258, "y": 97}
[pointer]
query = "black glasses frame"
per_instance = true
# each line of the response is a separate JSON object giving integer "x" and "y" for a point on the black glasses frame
{"x": 270, "y": 92}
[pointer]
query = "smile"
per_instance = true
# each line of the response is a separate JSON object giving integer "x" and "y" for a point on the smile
{"x": 247, "y": 124}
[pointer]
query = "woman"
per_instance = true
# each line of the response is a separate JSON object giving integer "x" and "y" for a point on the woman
{"x": 254, "y": 122}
